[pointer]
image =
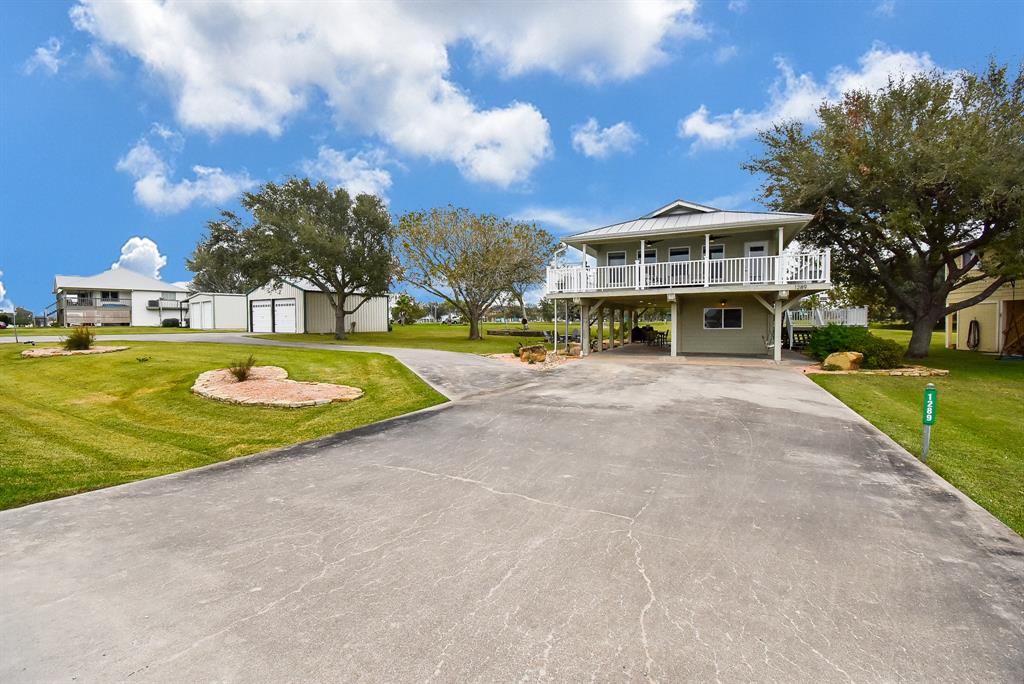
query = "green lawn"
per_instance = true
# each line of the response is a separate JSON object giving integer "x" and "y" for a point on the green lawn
{"x": 978, "y": 438}
{"x": 443, "y": 337}
{"x": 71, "y": 424}
{"x": 105, "y": 330}
{"x": 433, "y": 336}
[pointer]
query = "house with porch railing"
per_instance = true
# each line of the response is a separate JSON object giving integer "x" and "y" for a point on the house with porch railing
{"x": 116, "y": 297}
{"x": 725, "y": 277}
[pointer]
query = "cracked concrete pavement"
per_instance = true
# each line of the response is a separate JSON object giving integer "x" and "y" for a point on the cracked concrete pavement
{"x": 609, "y": 520}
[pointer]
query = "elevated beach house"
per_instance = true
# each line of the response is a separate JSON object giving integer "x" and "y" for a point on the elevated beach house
{"x": 117, "y": 297}
{"x": 725, "y": 277}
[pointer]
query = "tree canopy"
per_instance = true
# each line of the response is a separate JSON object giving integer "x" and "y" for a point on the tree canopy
{"x": 912, "y": 187}
{"x": 470, "y": 260}
{"x": 303, "y": 231}
{"x": 219, "y": 258}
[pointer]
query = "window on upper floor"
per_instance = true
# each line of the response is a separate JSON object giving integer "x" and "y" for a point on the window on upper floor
{"x": 679, "y": 254}
{"x": 968, "y": 256}
{"x": 107, "y": 295}
{"x": 717, "y": 252}
{"x": 650, "y": 255}
{"x": 616, "y": 258}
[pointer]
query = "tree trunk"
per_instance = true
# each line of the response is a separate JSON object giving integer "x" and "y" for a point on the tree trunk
{"x": 474, "y": 326}
{"x": 339, "y": 323}
{"x": 921, "y": 337}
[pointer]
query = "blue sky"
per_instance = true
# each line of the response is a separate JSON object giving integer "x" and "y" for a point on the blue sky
{"x": 125, "y": 127}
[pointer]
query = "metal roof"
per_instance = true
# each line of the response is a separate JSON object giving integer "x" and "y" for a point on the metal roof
{"x": 114, "y": 279}
{"x": 702, "y": 220}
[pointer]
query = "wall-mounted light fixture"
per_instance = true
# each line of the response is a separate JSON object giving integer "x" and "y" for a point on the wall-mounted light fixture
{"x": 722, "y": 303}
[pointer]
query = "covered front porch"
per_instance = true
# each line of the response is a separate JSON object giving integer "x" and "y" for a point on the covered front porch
{"x": 731, "y": 324}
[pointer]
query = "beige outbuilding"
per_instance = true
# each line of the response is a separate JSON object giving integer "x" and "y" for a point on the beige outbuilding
{"x": 298, "y": 306}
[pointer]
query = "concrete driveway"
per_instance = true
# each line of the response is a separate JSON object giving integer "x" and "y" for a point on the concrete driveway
{"x": 609, "y": 521}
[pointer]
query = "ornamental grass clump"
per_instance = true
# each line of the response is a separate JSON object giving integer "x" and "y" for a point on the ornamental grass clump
{"x": 79, "y": 338}
{"x": 242, "y": 369}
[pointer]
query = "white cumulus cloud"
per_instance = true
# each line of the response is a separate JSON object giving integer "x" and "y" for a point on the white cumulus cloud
{"x": 383, "y": 67}
{"x": 5, "y": 303}
{"x": 45, "y": 57}
{"x": 362, "y": 172}
{"x": 591, "y": 140}
{"x": 140, "y": 254}
{"x": 797, "y": 96}
{"x": 156, "y": 189}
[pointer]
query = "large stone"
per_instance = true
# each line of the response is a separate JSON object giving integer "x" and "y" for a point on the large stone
{"x": 574, "y": 349}
{"x": 536, "y": 353}
{"x": 849, "y": 360}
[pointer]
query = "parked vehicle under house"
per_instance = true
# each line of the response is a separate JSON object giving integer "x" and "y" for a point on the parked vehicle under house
{"x": 726, "y": 277}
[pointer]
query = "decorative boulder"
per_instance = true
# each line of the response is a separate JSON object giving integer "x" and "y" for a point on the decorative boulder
{"x": 533, "y": 354}
{"x": 574, "y": 349}
{"x": 849, "y": 360}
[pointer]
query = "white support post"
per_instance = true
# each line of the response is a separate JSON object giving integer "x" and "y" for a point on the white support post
{"x": 707, "y": 259}
{"x": 777, "y": 332}
{"x": 622, "y": 327}
{"x": 948, "y": 330}
{"x": 584, "y": 329}
{"x": 642, "y": 273}
{"x": 600, "y": 328}
{"x": 673, "y": 328}
{"x": 780, "y": 263}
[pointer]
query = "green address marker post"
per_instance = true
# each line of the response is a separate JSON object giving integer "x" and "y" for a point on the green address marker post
{"x": 928, "y": 412}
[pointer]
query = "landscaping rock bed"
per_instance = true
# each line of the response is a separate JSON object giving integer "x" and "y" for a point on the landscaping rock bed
{"x": 43, "y": 352}
{"x": 550, "y": 362}
{"x": 270, "y": 386}
{"x": 908, "y": 371}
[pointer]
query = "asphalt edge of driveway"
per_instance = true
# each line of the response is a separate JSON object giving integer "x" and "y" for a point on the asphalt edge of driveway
{"x": 291, "y": 451}
{"x": 976, "y": 511}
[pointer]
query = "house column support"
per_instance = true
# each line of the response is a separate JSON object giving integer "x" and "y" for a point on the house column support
{"x": 622, "y": 328}
{"x": 707, "y": 259}
{"x": 673, "y": 325}
{"x": 584, "y": 329}
{"x": 780, "y": 264}
{"x": 777, "y": 331}
{"x": 948, "y": 330}
{"x": 600, "y": 328}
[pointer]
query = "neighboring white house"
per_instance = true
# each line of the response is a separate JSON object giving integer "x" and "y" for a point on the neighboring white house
{"x": 217, "y": 311}
{"x": 297, "y": 306}
{"x": 117, "y": 297}
{"x": 725, "y": 277}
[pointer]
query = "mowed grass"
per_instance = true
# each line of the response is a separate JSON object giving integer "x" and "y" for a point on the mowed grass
{"x": 444, "y": 337}
{"x": 105, "y": 330}
{"x": 433, "y": 336}
{"x": 978, "y": 438}
{"x": 71, "y": 424}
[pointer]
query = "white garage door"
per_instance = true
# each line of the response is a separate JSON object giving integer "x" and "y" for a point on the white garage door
{"x": 204, "y": 315}
{"x": 284, "y": 315}
{"x": 261, "y": 311}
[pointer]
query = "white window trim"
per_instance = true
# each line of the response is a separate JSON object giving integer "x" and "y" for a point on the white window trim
{"x": 643, "y": 259}
{"x": 679, "y": 249}
{"x": 722, "y": 308}
{"x": 763, "y": 243}
{"x": 713, "y": 249}
{"x": 608, "y": 257}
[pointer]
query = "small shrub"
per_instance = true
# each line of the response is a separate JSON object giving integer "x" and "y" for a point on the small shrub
{"x": 830, "y": 367}
{"x": 79, "y": 338}
{"x": 143, "y": 359}
{"x": 835, "y": 338}
{"x": 170, "y": 323}
{"x": 881, "y": 353}
{"x": 878, "y": 352}
{"x": 242, "y": 369}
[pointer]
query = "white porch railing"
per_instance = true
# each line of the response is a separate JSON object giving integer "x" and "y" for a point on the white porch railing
{"x": 855, "y": 316}
{"x": 801, "y": 267}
